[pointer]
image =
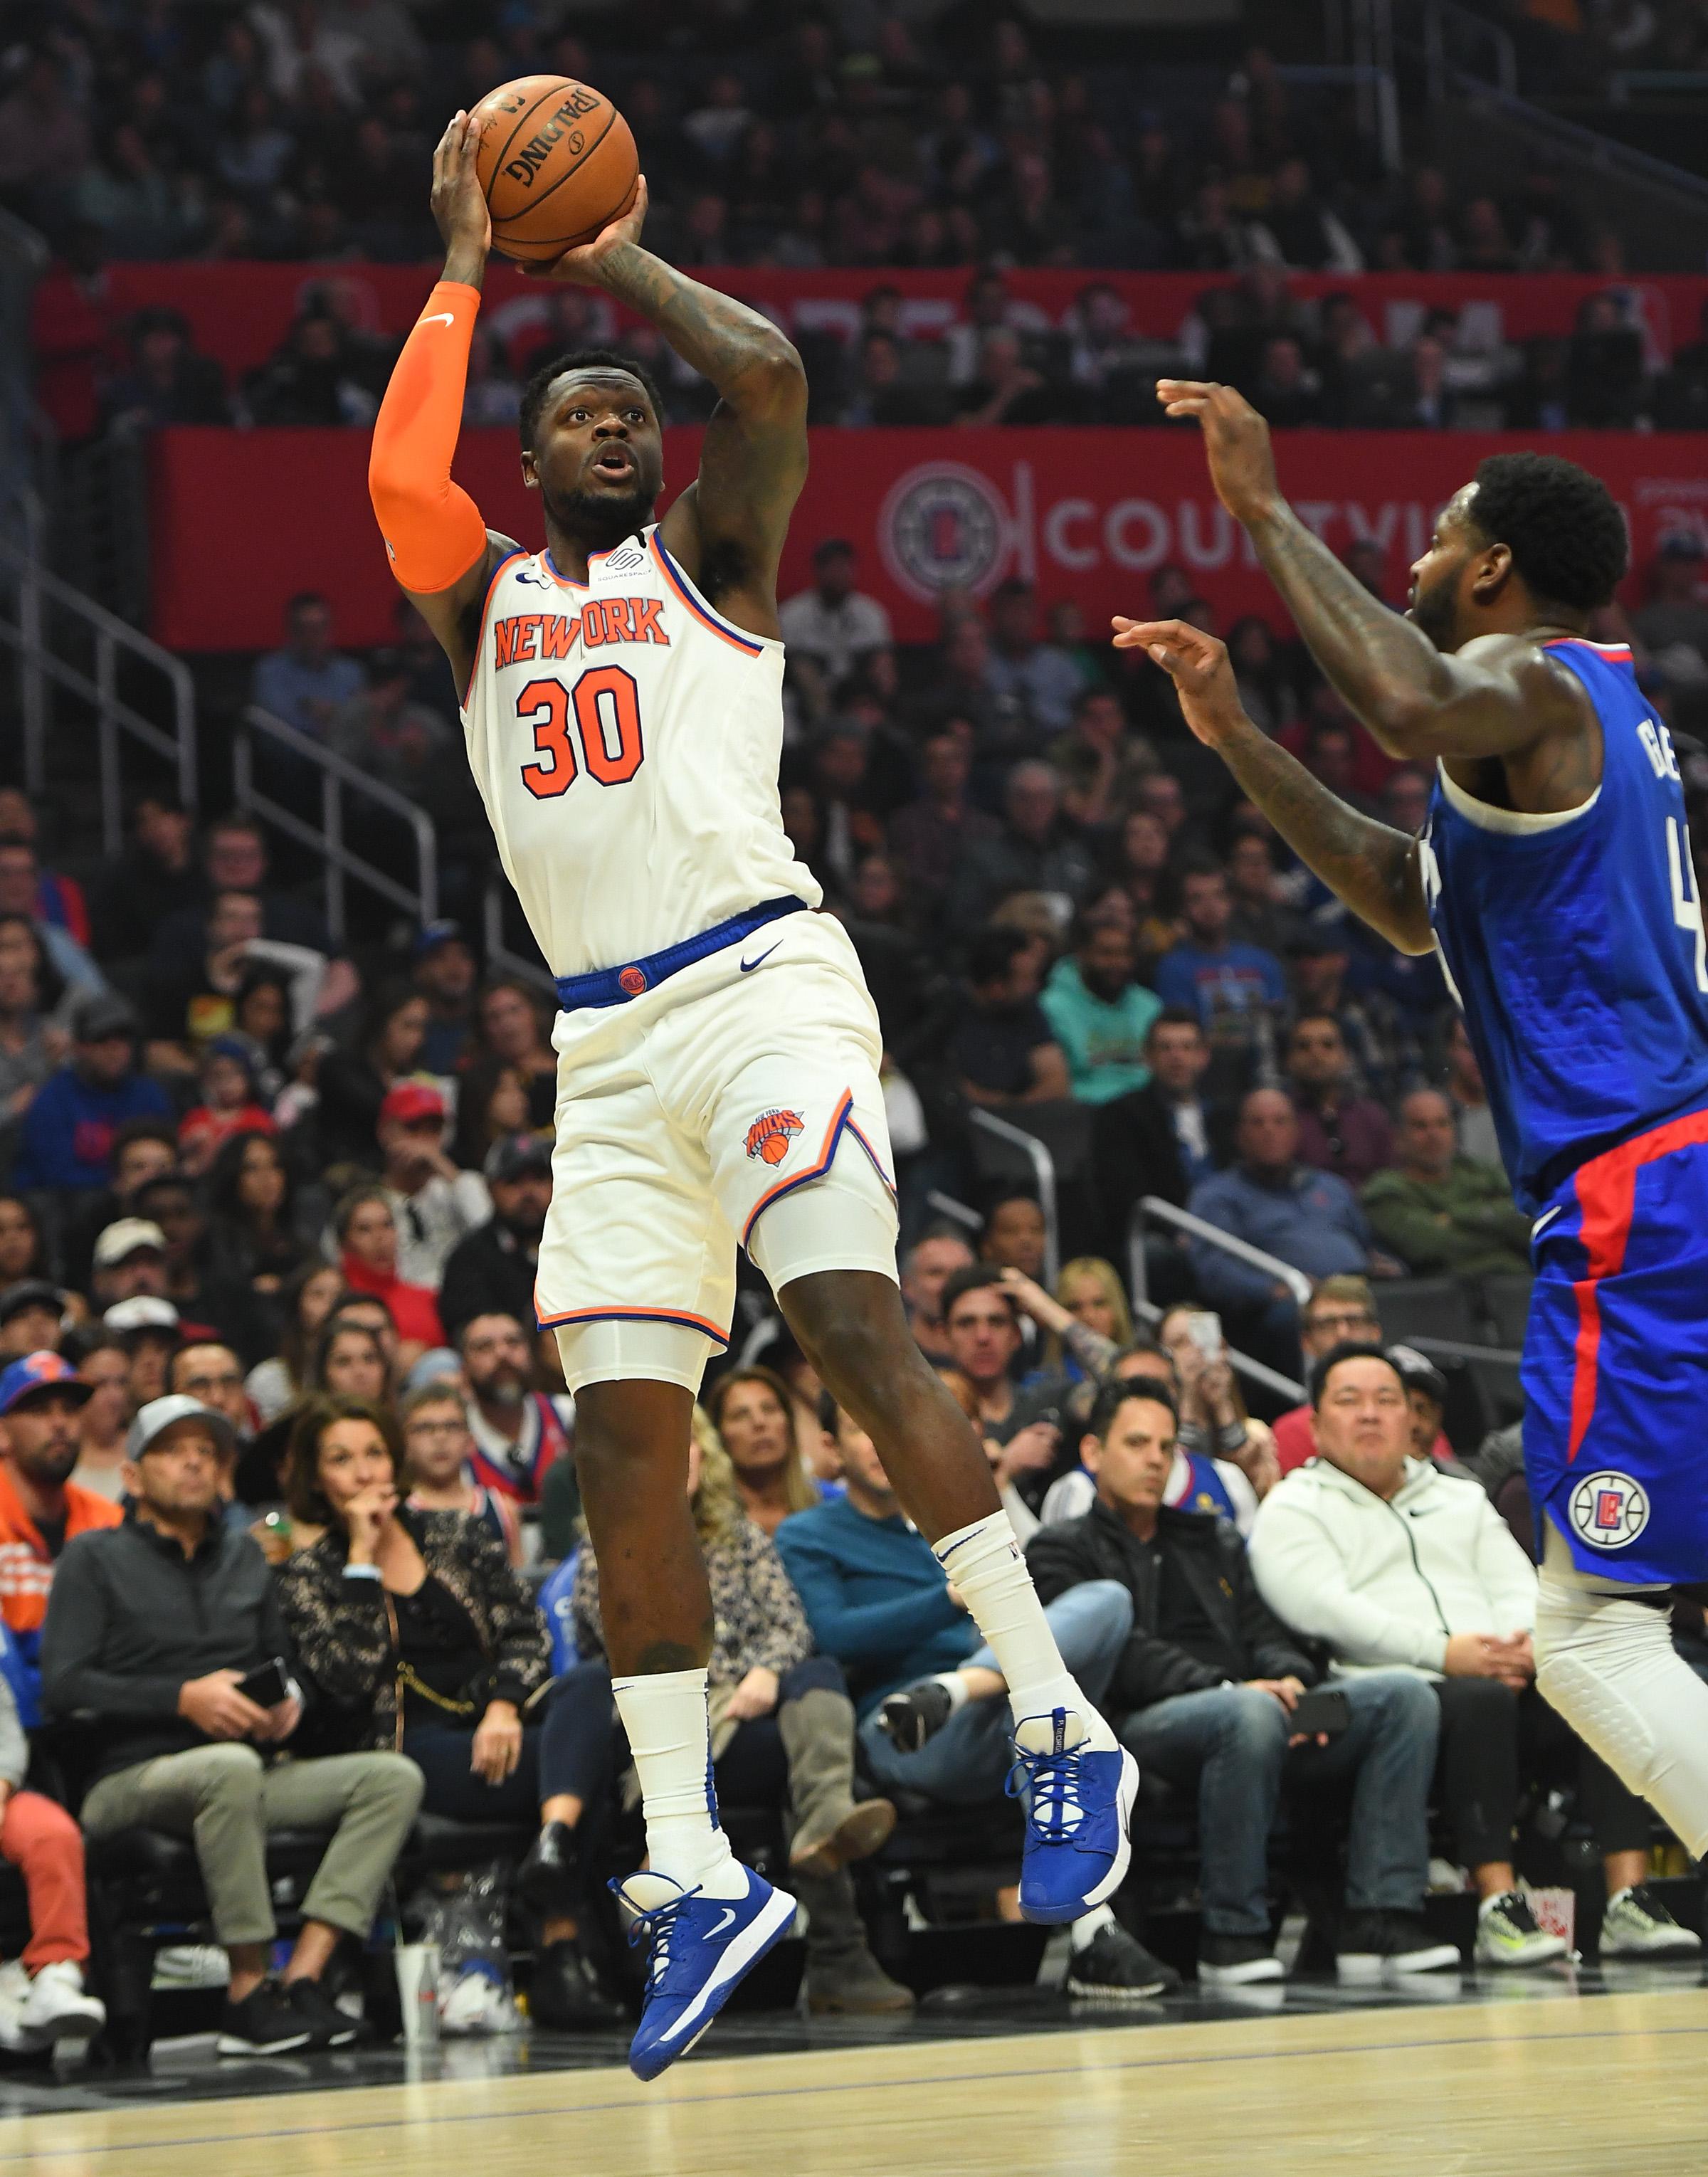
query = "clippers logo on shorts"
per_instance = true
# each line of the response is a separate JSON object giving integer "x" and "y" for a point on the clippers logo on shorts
{"x": 771, "y": 1134}
{"x": 1608, "y": 1510}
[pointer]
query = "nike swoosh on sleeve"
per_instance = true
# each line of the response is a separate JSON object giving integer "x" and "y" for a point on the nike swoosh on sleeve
{"x": 439, "y": 317}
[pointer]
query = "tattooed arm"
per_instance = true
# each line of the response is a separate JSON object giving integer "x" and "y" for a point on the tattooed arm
{"x": 1371, "y": 866}
{"x": 728, "y": 529}
{"x": 1498, "y": 696}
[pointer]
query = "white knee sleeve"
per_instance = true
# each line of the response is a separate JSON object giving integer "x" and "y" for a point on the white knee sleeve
{"x": 1606, "y": 1663}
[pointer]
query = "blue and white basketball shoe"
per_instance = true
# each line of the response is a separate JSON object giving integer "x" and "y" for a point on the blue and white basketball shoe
{"x": 700, "y": 1948}
{"x": 1078, "y": 1802}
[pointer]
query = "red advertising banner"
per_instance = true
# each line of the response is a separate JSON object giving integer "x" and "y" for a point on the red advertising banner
{"x": 241, "y": 311}
{"x": 241, "y": 520}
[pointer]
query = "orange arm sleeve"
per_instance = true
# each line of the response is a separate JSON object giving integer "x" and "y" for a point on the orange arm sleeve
{"x": 433, "y": 530}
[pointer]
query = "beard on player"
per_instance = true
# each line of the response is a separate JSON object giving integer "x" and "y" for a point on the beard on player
{"x": 1434, "y": 608}
{"x": 599, "y": 516}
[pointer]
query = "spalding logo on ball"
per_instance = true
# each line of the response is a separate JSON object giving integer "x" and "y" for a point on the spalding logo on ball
{"x": 557, "y": 163}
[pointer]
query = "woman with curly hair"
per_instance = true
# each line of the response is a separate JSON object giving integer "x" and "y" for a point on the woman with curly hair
{"x": 782, "y": 1733}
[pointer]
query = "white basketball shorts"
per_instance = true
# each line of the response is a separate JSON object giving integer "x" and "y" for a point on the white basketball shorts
{"x": 735, "y": 1103}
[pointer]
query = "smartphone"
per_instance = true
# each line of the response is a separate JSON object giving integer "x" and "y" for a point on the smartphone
{"x": 1322, "y": 1713}
{"x": 267, "y": 1685}
{"x": 1205, "y": 1331}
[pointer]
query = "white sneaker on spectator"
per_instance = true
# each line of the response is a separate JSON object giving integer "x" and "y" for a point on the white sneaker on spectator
{"x": 191, "y": 1965}
{"x": 475, "y": 2004}
{"x": 14, "y": 1991}
{"x": 1234, "y": 1961}
{"x": 56, "y": 2008}
{"x": 1508, "y": 1936}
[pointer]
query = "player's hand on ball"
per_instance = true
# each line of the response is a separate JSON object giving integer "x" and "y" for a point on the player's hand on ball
{"x": 584, "y": 267}
{"x": 1198, "y": 666}
{"x": 1236, "y": 440}
{"x": 458, "y": 200}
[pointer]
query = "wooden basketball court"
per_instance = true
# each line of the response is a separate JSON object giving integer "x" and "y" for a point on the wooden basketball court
{"x": 1608, "y": 2086}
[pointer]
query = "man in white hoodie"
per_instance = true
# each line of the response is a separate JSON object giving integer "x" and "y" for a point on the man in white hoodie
{"x": 1391, "y": 1562}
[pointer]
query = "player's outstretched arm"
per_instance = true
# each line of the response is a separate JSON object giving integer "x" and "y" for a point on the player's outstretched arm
{"x": 728, "y": 528}
{"x": 1496, "y": 696}
{"x": 440, "y": 549}
{"x": 1371, "y": 866}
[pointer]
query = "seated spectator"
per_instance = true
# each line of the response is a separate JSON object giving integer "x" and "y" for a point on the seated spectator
{"x": 307, "y": 683}
{"x": 1005, "y": 390}
{"x": 353, "y": 1082}
{"x": 1043, "y": 680}
{"x": 436, "y": 1477}
{"x": 194, "y": 995}
{"x": 926, "y": 1267}
{"x": 229, "y": 1105}
{"x": 23, "y": 1251}
{"x": 1340, "y": 1130}
{"x": 30, "y": 1042}
{"x": 367, "y": 1234}
{"x": 32, "y": 1318}
{"x": 21, "y": 881}
{"x": 493, "y": 1266}
{"x": 834, "y": 624}
{"x": 1099, "y": 1014}
{"x": 154, "y": 877}
{"x": 306, "y": 1299}
{"x": 782, "y": 1722}
{"x": 444, "y": 973}
{"x": 312, "y": 379}
{"x": 1308, "y": 1220}
{"x": 44, "y": 2000}
{"x": 1212, "y": 1407}
{"x": 1003, "y": 1051}
{"x": 1341, "y": 1310}
{"x": 1445, "y": 1591}
{"x": 149, "y": 1330}
{"x": 59, "y": 902}
{"x": 1164, "y": 1139}
{"x": 876, "y": 1600}
{"x": 104, "y": 1366}
{"x": 69, "y": 1128}
{"x": 1014, "y": 1235}
{"x": 754, "y": 1418}
{"x": 434, "y": 1205}
{"x": 167, "y": 382}
{"x": 1473, "y": 1121}
{"x": 1381, "y": 1050}
{"x": 389, "y": 736}
{"x": 256, "y": 1234}
{"x": 156, "y": 1623}
{"x": 1441, "y": 1213}
{"x": 350, "y": 1360}
{"x": 206, "y": 1302}
{"x": 1673, "y": 624}
{"x": 1203, "y": 1694}
{"x": 1036, "y": 850}
{"x": 512, "y": 1038}
{"x": 41, "y": 1507}
{"x": 1233, "y": 989}
{"x": 928, "y": 836}
{"x": 1296, "y": 229}
{"x": 1288, "y": 393}
{"x": 981, "y": 1329}
{"x": 236, "y": 861}
{"x": 520, "y": 1430}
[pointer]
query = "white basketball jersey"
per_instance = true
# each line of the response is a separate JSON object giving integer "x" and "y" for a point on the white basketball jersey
{"x": 625, "y": 739}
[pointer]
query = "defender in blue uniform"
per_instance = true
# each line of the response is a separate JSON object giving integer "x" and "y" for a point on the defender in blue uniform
{"x": 1554, "y": 876}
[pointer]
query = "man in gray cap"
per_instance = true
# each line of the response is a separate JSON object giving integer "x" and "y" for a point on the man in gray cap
{"x": 68, "y": 1134}
{"x": 493, "y": 1269}
{"x": 152, "y": 1630}
{"x": 129, "y": 1259}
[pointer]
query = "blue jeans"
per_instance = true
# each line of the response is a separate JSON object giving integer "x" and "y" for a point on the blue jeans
{"x": 969, "y": 1760}
{"x": 1231, "y": 1742}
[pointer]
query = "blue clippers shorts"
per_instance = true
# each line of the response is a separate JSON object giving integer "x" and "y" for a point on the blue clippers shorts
{"x": 1616, "y": 1359}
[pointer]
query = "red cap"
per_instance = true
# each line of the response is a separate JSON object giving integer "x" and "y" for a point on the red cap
{"x": 413, "y": 1100}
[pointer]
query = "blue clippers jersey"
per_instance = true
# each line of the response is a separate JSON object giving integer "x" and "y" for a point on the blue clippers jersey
{"x": 1575, "y": 944}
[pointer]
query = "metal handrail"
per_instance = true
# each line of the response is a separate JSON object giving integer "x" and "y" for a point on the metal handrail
{"x": 1457, "y": 1349}
{"x": 958, "y": 1213}
{"x": 1153, "y": 1205}
{"x": 1150, "y": 1314}
{"x": 498, "y": 954}
{"x": 39, "y": 665}
{"x": 1623, "y": 81}
{"x": 1437, "y": 16}
{"x": 1043, "y": 1171}
{"x": 337, "y": 776}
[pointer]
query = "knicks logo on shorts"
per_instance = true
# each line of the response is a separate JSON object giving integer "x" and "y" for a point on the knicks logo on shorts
{"x": 772, "y": 1133}
{"x": 1608, "y": 1509}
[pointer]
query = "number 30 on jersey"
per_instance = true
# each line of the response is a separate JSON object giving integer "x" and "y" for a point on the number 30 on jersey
{"x": 604, "y": 707}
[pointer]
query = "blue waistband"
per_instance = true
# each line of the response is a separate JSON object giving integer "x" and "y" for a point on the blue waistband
{"x": 615, "y": 986}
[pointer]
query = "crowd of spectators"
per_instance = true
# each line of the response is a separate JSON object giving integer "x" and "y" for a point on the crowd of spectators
{"x": 274, "y": 1387}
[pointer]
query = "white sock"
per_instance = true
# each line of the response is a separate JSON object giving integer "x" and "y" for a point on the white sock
{"x": 954, "y": 1685}
{"x": 984, "y": 1562}
{"x": 669, "y": 1736}
{"x": 1089, "y": 1925}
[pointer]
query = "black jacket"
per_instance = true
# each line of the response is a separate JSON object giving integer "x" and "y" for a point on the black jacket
{"x": 130, "y": 1619}
{"x": 488, "y": 1270}
{"x": 1212, "y": 1557}
{"x": 1135, "y": 1151}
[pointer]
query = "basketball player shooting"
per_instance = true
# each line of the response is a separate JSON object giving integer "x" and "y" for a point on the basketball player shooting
{"x": 1553, "y": 875}
{"x": 718, "y": 1051}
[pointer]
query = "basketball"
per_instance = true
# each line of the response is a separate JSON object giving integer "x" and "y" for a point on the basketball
{"x": 557, "y": 162}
